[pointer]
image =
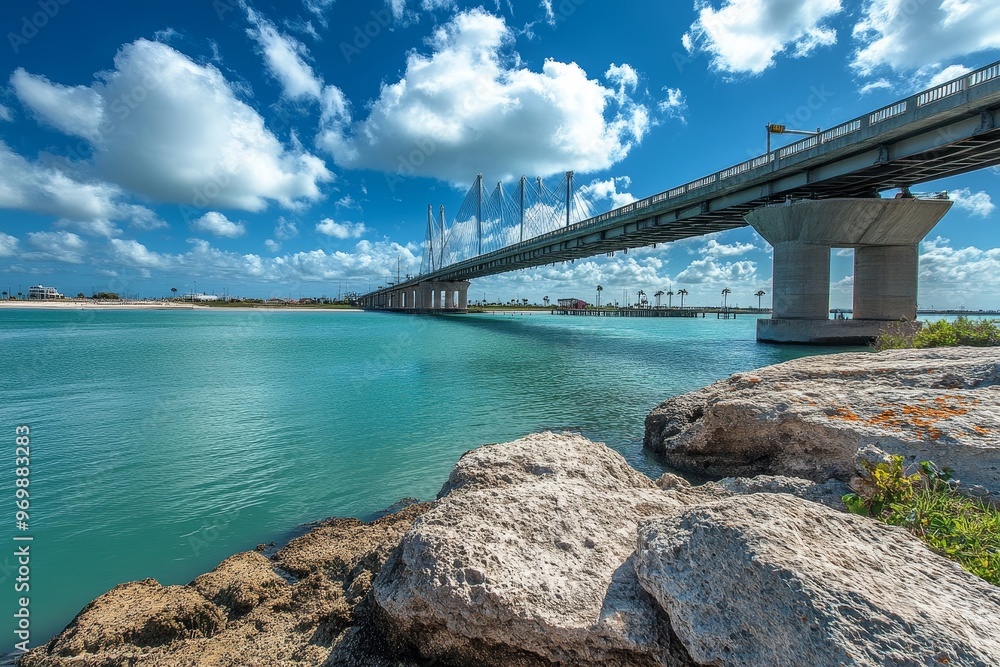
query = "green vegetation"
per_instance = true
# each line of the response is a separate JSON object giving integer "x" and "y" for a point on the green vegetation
{"x": 963, "y": 331}
{"x": 923, "y": 502}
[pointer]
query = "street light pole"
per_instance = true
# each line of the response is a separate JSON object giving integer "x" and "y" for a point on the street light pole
{"x": 775, "y": 128}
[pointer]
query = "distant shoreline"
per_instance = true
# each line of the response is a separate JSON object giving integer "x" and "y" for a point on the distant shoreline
{"x": 156, "y": 305}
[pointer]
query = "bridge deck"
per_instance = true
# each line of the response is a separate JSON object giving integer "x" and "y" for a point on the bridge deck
{"x": 945, "y": 131}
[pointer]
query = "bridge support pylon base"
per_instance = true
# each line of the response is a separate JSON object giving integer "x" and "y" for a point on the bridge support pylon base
{"x": 827, "y": 332}
{"x": 884, "y": 234}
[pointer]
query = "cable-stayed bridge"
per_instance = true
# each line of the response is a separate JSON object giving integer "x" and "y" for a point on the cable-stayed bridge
{"x": 491, "y": 221}
{"x": 946, "y": 130}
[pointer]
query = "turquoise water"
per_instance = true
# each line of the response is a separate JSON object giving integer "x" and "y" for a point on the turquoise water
{"x": 163, "y": 442}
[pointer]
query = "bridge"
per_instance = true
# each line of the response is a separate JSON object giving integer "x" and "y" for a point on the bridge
{"x": 818, "y": 193}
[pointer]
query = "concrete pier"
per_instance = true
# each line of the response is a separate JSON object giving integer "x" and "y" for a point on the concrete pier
{"x": 885, "y": 282}
{"x": 429, "y": 297}
{"x": 803, "y": 271}
{"x": 884, "y": 234}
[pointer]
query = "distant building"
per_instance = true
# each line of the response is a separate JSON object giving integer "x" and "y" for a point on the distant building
{"x": 199, "y": 297}
{"x": 572, "y": 303}
{"x": 40, "y": 292}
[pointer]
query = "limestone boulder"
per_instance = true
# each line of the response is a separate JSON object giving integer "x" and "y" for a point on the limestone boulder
{"x": 770, "y": 579}
{"x": 808, "y": 417}
{"x": 829, "y": 493}
{"x": 526, "y": 560}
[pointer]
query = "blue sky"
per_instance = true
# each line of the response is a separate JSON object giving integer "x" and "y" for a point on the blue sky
{"x": 272, "y": 149}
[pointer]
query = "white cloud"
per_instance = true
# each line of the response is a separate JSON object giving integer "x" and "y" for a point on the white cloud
{"x": 397, "y": 7}
{"x": 136, "y": 254}
{"x": 608, "y": 190}
{"x": 550, "y": 16}
{"x": 86, "y": 206}
{"x": 462, "y": 110}
{"x": 74, "y": 110}
{"x": 908, "y": 35}
{"x": 217, "y": 224}
{"x": 675, "y": 104}
{"x": 879, "y": 84}
{"x": 625, "y": 77}
{"x": 366, "y": 260}
{"x": 103, "y": 228}
{"x": 8, "y": 245}
{"x": 141, "y": 217}
{"x": 946, "y": 75}
{"x": 57, "y": 246}
{"x": 319, "y": 8}
{"x": 347, "y": 201}
{"x": 745, "y": 36}
{"x": 978, "y": 203}
{"x": 625, "y": 271}
{"x": 710, "y": 270}
{"x": 174, "y": 131}
{"x": 716, "y": 249}
{"x": 341, "y": 230}
{"x": 166, "y": 35}
{"x": 272, "y": 245}
{"x": 845, "y": 282}
{"x": 950, "y": 276}
{"x": 30, "y": 186}
{"x": 432, "y": 5}
{"x": 5, "y": 114}
{"x": 286, "y": 56}
{"x": 285, "y": 229}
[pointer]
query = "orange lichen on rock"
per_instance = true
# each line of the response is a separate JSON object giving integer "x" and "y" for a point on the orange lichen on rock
{"x": 920, "y": 418}
{"x": 846, "y": 414}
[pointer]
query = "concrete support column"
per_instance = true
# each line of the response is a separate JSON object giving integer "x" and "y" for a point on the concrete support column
{"x": 463, "y": 297}
{"x": 884, "y": 234}
{"x": 885, "y": 282}
{"x": 801, "y": 281}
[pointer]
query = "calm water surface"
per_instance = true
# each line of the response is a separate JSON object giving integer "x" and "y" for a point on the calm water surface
{"x": 163, "y": 442}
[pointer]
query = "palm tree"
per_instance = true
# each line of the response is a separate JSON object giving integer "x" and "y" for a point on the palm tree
{"x": 670, "y": 298}
{"x": 759, "y": 293}
{"x": 640, "y": 297}
{"x": 174, "y": 290}
{"x": 5, "y": 296}
{"x": 658, "y": 294}
{"x": 725, "y": 295}
{"x": 545, "y": 300}
{"x": 683, "y": 293}
{"x": 19, "y": 295}
{"x": 599, "y": 290}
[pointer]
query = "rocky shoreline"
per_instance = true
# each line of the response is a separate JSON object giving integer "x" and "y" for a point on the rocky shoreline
{"x": 551, "y": 550}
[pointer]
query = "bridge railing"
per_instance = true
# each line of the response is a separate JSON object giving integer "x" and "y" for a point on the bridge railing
{"x": 770, "y": 160}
